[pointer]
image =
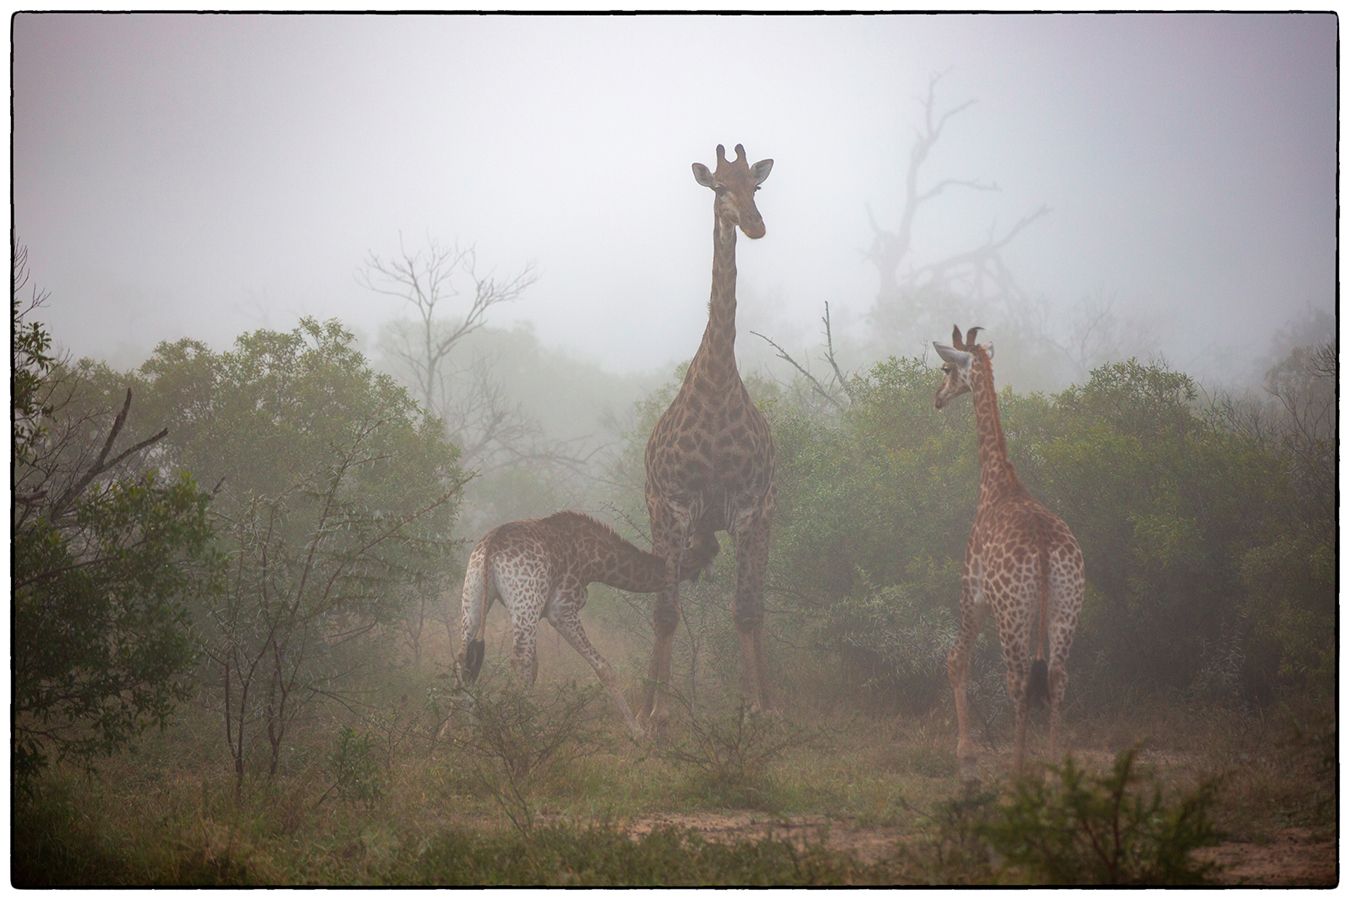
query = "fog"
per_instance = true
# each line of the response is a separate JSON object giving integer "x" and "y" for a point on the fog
{"x": 290, "y": 552}
{"x": 203, "y": 175}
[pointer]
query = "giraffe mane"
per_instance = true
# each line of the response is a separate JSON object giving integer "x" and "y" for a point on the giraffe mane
{"x": 573, "y": 517}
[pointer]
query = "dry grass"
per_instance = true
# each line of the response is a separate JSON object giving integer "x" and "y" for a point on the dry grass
{"x": 866, "y": 786}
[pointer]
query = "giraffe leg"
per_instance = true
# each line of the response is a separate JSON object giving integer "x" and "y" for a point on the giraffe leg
{"x": 668, "y": 542}
{"x": 523, "y": 660}
{"x": 752, "y": 559}
{"x": 958, "y": 666}
{"x": 1019, "y": 673}
{"x": 1067, "y": 597}
{"x": 568, "y": 624}
{"x": 1059, "y": 682}
{"x": 1059, "y": 679}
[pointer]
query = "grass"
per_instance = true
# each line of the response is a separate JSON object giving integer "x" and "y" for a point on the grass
{"x": 166, "y": 813}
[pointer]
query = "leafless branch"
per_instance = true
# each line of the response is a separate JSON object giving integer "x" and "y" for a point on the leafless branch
{"x": 102, "y": 463}
{"x": 829, "y": 355}
{"x": 811, "y": 379}
{"x": 429, "y": 279}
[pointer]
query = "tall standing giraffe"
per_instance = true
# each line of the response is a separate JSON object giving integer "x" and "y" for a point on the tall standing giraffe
{"x": 540, "y": 568}
{"x": 710, "y": 458}
{"x": 1021, "y": 560}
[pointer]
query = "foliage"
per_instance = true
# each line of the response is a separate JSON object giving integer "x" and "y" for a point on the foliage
{"x": 357, "y": 775}
{"x": 1103, "y": 829}
{"x": 101, "y": 641}
{"x": 31, "y": 365}
{"x": 334, "y": 505}
{"x": 954, "y": 850}
{"x": 168, "y": 815}
{"x": 510, "y": 741}
{"x": 104, "y": 558}
{"x": 1193, "y": 554}
{"x": 1070, "y": 827}
{"x": 731, "y": 752}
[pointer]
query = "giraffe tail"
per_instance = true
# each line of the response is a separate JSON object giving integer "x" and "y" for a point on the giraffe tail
{"x": 1038, "y": 682}
{"x": 475, "y": 605}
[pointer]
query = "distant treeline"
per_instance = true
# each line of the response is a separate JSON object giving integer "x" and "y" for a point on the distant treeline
{"x": 289, "y": 540}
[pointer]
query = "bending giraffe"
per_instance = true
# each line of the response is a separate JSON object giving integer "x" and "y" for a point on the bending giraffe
{"x": 1021, "y": 561}
{"x": 540, "y": 568}
{"x": 710, "y": 458}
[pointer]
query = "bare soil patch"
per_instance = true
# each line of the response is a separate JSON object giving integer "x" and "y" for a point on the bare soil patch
{"x": 1296, "y": 857}
{"x": 868, "y": 845}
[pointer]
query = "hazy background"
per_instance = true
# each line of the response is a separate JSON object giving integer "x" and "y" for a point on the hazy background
{"x": 202, "y": 175}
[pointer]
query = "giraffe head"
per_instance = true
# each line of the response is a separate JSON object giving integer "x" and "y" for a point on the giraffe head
{"x": 701, "y": 548}
{"x": 735, "y": 183}
{"x": 958, "y": 365}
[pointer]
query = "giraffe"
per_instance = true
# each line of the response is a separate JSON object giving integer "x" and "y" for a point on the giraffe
{"x": 541, "y": 568}
{"x": 1021, "y": 560}
{"x": 710, "y": 458}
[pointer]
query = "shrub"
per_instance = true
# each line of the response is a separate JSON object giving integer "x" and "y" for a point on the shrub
{"x": 357, "y": 776}
{"x": 509, "y": 741}
{"x": 730, "y": 752}
{"x": 1116, "y": 828}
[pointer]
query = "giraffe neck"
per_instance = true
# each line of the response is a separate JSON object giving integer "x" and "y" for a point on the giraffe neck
{"x": 998, "y": 479}
{"x": 605, "y": 557}
{"x": 717, "y": 353}
{"x": 627, "y": 568}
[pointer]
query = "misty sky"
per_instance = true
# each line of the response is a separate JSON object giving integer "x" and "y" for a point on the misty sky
{"x": 202, "y": 175}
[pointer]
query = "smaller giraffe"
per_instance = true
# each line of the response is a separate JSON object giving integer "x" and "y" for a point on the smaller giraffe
{"x": 540, "y": 568}
{"x": 1021, "y": 560}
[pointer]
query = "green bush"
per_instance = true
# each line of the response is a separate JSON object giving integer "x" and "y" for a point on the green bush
{"x": 1068, "y": 827}
{"x": 509, "y": 739}
{"x": 1202, "y": 579}
{"x": 357, "y": 775}
{"x": 1102, "y": 829}
{"x": 108, "y": 552}
{"x": 729, "y": 753}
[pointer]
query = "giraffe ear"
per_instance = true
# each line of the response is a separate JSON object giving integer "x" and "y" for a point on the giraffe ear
{"x": 989, "y": 348}
{"x": 956, "y": 337}
{"x": 760, "y": 170}
{"x": 950, "y": 354}
{"x": 703, "y": 176}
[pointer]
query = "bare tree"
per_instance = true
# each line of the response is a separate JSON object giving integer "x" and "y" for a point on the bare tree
{"x": 287, "y": 608}
{"x": 491, "y": 430}
{"x": 1304, "y": 386}
{"x": 1296, "y": 417}
{"x": 977, "y": 273}
{"x": 431, "y": 280}
{"x": 1091, "y": 333}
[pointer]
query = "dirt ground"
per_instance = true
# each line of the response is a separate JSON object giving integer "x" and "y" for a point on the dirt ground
{"x": 1293, "y": 858}
{"x": 866, "y": 844}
